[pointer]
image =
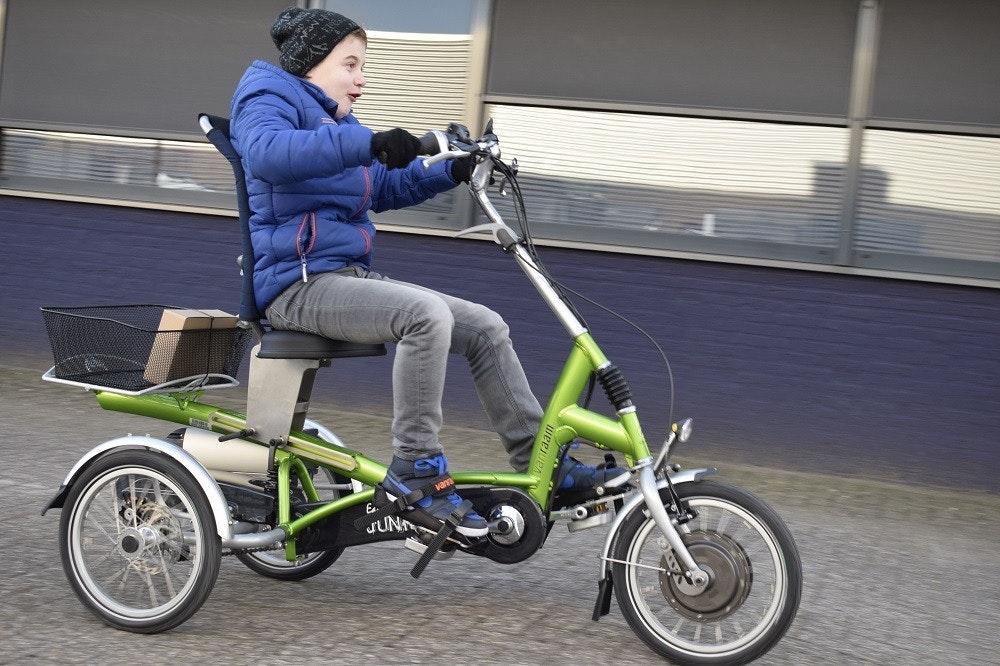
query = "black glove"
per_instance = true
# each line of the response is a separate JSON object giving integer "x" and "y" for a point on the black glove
{"x": 461, "y": 169}
{"x": 395, "y": 148}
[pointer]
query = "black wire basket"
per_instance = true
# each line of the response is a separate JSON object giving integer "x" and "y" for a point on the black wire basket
{"x": 125, "y": 347}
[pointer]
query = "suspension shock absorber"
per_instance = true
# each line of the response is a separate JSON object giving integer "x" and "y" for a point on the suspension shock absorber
{"x": 615, "y": 386}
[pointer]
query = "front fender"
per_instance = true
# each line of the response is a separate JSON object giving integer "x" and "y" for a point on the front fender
{"x": 637, "y": 502}
{"x": 220, "y": 509}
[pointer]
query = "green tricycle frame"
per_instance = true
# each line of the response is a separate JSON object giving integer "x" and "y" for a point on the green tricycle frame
{"x": 564, "y": 421}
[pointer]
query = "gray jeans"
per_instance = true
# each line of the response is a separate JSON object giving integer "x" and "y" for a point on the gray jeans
{"x": 362, "y": 306}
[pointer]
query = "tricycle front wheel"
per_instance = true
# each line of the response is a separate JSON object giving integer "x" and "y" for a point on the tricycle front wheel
{"x": 138, "y": 541}
{"x": 755, "y": 578}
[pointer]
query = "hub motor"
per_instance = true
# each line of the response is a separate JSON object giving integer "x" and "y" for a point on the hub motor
{"x": 730, "y": 577}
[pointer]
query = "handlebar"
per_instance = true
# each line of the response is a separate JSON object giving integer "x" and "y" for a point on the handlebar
{"x": 446, "y": 155}
{"x": 456, "y": 142}
{"x": 433, "y": 143}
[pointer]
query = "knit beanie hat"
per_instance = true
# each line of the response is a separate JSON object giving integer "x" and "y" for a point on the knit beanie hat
{"x": 305, "y": 36}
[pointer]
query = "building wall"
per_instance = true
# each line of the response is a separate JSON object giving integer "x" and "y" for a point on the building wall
{"x": 846, "y": 135}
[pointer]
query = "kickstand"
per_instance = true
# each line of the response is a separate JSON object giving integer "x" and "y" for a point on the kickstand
{"x": 603, "y": 605}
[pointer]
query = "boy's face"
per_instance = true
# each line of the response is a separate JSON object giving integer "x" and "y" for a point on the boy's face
{"x": 341, "y": 73}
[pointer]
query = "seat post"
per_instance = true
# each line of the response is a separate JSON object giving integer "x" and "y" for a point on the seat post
{"x": 278, "y": 394}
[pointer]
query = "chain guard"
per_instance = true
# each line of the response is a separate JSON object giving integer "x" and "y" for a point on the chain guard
{"x": 507, "y": 508}
{"x": 502, "y": 507}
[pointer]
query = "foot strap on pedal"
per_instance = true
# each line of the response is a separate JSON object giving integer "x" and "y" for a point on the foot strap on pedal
{"x": 386, "y": 507}
{"x": 453, "y": 521}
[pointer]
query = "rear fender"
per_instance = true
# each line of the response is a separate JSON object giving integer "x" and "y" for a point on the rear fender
{"x": 220, "y": 509}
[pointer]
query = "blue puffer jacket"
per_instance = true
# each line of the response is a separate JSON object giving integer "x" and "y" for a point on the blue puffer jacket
{"x": 312, "y": 179}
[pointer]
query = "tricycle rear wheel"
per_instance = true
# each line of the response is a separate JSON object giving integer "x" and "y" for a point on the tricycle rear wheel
{"x": 138, "y": 541}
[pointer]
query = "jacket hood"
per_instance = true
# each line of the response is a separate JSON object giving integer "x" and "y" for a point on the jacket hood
{"x": 265, "y": 70}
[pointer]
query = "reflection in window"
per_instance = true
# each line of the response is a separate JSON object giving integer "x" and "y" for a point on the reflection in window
{"x": 117, "y": 160}
{"x": 715, "y": 178}
{"x": 930, "y": 194}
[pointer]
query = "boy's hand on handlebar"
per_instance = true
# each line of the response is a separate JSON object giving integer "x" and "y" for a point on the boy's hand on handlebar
{"x": 461, "y": 168}
{"x": 395, "y": 148}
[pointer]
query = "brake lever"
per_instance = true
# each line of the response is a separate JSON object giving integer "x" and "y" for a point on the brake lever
{"x": 441, "y": 157}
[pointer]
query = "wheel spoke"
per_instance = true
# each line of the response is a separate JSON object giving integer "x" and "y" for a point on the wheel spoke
{"x": 119, "y": 576}
{"x": 93, "y": 521}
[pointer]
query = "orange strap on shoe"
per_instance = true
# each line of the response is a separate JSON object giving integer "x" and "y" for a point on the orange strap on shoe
{"x": 439, "y": 485}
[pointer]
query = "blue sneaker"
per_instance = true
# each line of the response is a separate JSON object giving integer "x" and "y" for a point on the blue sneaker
{"x": 576, "y": 476}
{"x": 431, "y": 475}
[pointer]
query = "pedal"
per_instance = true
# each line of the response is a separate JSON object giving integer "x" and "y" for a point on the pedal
{"x": 442, "y": 532}
{"x": 420, "y": 547}
{"x": 442, "y": 537}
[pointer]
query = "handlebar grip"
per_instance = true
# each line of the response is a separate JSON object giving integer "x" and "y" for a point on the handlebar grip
{"x": 433, "y": 143}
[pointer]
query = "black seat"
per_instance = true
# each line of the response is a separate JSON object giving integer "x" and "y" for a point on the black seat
{"x": 292, "y": 344}
{"x": 274, "y": 344}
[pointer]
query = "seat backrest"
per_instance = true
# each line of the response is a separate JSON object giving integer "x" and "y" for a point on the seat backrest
{"x": 275, "y": 344}
{"x": 216, "y": 129}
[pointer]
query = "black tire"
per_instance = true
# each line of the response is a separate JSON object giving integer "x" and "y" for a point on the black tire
{"x": 755, "y": 569}
{"x": 272, "y": 563}
{"x": 138, "y": 541}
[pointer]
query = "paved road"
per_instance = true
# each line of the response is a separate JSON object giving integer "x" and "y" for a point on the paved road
{"x": 893, "y": 574}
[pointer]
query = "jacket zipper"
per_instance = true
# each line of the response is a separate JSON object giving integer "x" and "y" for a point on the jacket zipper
{"x": 308, "y": 220}
{"x": 361, "y": 208}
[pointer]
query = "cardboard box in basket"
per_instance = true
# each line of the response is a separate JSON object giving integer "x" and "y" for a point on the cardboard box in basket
{"x": 175, "y": 355}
